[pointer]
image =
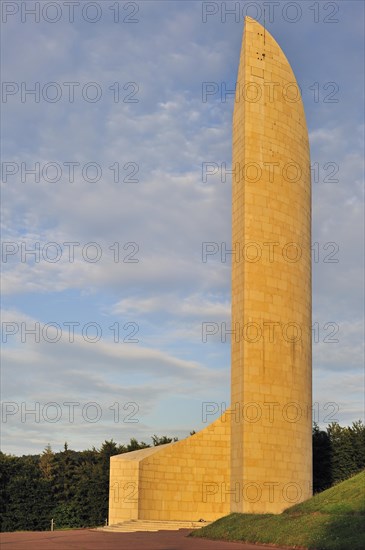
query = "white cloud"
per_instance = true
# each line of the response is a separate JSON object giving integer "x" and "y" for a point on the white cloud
{"x": 189, "y": 306}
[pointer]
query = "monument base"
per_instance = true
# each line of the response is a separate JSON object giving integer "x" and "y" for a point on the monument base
{"x": 188, "y": 480}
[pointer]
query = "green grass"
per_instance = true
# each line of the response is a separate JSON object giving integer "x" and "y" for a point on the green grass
{"x": 332, "y": 520}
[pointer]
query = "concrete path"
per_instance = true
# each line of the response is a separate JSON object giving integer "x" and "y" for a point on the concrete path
{"x": 84, "y": 539}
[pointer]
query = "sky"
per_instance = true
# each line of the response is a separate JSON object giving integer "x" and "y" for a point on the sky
{"x": 105, "y": 209}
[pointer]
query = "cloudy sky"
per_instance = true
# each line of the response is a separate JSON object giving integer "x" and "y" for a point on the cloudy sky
{"x": 102, "y": 180}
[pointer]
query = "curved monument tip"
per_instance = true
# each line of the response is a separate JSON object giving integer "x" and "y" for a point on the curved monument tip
{"x": 248, "y": 19}
{"x": 251, "y": 21}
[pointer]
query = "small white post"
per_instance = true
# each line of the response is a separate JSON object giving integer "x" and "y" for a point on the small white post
{"x": 52, "y": 524}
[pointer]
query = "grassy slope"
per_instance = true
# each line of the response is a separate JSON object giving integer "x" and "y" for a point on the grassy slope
{"x": 332, "y": 520}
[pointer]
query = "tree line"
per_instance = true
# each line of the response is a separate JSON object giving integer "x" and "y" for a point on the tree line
{"x": 338, "y": 453}
{"x": 72, "y": 487}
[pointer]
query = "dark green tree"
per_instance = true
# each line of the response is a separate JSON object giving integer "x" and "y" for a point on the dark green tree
{"x": 9, "y": 468}
{"x": 133, "y": 445}
{"x": 47, "y": 463}
{"x": 322, "y": 465}
{"x": 30, "y": 501}
{"x": 162, "y": 440}
{"x": 357, "y": 436}
{"x": 343, "y": 462}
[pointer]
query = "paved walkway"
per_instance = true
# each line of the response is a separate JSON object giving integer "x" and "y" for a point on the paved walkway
{"x": 83, "y": 539}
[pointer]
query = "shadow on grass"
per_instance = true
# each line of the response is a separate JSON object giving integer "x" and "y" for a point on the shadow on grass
{"x": 343, "y": 532}
{"x": 315, "y": 531}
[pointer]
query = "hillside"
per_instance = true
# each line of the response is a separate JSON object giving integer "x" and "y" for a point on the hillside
{"x": 331, "y": 520}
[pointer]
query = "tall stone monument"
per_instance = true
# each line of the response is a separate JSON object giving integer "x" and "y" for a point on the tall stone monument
{"x": 257, "y": 457}
{"x": 271, "y": 364}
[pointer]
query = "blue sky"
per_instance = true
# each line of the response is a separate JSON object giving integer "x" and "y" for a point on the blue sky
{"x": 158, "y": 131}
